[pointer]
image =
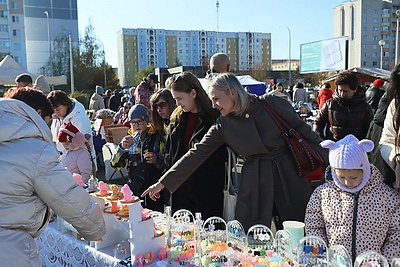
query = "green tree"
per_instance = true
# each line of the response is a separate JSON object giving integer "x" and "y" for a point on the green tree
{"x": 142, "y": 73}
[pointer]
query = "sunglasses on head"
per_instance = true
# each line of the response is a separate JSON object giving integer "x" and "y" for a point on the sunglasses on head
{"x": 160, "y": 105}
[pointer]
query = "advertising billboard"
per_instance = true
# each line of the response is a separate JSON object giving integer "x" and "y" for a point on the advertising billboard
{"x": 325, "y": 55}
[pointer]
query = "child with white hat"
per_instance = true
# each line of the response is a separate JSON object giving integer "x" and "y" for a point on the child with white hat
{"x": 354, "y": 208}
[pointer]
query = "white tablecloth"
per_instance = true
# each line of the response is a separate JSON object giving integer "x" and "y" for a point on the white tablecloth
{"x": 58, "y": 249}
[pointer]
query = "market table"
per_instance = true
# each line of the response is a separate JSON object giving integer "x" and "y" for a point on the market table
{"x": 62, "y": 249}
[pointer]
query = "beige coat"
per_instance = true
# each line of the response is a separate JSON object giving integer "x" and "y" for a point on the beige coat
{"x": 268, "y": 176}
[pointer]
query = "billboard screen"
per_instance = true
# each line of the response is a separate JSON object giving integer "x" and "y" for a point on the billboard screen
{"x": 325, "y": 55}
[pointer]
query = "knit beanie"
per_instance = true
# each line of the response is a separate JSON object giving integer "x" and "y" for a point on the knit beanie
{"x": 349, "y": 153}
{"x": 99, "y": 90}
{"x": 70, "y": 134}
{"x": 138, "y": 111}
{"x": 378, "y": 83}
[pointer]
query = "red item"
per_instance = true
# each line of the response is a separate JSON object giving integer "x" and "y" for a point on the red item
{"x": 306, "y": 158}
{"x": 192, "y": 121}
{"x": 323, "y": 96}
{"x": 378, "y": 83}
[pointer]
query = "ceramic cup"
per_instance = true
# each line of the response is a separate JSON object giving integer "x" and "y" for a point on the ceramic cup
{"x": 296, "y": 230}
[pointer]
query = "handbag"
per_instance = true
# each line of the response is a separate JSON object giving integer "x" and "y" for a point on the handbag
{"x": 231, "y": 188}
{"x": 306, "y": 157}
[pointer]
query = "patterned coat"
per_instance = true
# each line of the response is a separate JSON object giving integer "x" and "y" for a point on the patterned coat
{"x": 367, "y": 220}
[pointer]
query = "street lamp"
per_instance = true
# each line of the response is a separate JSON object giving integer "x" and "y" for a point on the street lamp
{"x": 104, "y": 64}
{"x": 289, "y": 60}
{"x": 381, "y": 43}
{"x": 397, "y": 37}
{"x": 49, "y": 40}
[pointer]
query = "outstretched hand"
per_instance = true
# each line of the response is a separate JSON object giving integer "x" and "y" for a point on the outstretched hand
{"x": 153, "y": 191}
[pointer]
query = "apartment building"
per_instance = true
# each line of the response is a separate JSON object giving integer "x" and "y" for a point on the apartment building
{"x": 369, "y": 26}
{"x": 29, "y": 27}
{"x": 140, "y": 48}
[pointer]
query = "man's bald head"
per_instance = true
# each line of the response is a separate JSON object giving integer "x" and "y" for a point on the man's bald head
{"x": 219, "y": 62}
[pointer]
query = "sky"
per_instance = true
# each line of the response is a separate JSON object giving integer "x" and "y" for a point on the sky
{"x": 308, "y": 20}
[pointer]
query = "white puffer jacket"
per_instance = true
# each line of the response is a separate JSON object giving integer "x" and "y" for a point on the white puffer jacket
{"x": 32, "y": 180}
{"x": 79, "y": 119}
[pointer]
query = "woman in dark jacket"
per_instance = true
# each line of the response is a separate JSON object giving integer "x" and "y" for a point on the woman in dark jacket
{"x": 190, "y": 121}
{"x": 269, "y": 177}
{"x": 346, "y": 113}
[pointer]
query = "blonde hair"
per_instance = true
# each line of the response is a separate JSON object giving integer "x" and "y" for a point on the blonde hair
{"x": 230, "y": 84}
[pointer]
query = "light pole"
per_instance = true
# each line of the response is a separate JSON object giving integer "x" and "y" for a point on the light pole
{"x": 382, "y": 43}
{"x": 397, "y": 37}
{"x": 104, "y": 64}
{"x": 290, "y": 52}
{"x": 49, "y": 40}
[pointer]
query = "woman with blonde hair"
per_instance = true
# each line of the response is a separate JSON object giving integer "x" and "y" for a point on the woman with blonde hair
{"x": 270, "y": 185}
{"x": 190, "y": 121}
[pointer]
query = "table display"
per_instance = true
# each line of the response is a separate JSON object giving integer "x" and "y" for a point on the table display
{"x": 140, "y": 237}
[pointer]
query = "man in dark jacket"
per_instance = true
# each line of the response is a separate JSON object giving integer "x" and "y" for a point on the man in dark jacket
{"x": 346, "y": 113}
{"x": 374, "y": 93}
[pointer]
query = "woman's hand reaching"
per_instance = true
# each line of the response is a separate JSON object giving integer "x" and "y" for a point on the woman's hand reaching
{"x": 153, "y": 191}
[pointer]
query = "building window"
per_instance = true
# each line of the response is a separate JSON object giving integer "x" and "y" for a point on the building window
{"x": 3, "y": 28}
{"x": 14, "y": 5}
{"x": 4, "y": 14}
{"x": 374, "y": 54}
{"x": 15, "y": 19}
{"x": 16, "y": 33}
{"x": 374, "y": 63}
{"x": 17, "y": 46}
{"x": 4, "y": 43}
{"x": 375, "y": 29}
{"x": 375, "y": 20}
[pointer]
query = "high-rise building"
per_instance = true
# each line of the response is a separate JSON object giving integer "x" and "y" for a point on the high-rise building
{"x": 29, "y": 27}
{"x": 140, "y": 48}
{"x": 366, "y": 23}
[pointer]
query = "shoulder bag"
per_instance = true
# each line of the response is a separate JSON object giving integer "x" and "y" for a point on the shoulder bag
{"x": 306, "y": 158}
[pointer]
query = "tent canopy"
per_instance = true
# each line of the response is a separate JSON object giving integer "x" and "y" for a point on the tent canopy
{"x": 255, "y": 87}
{"x": 10, "y": 69}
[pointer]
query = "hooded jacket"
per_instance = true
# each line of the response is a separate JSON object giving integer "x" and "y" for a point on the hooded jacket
{"x": 33, "y": 181}
{"x": 366, "y": 220}
{"x": 77, "y": 116}
{"x": 343, "y": 117}
{"x": 96, "y": 102}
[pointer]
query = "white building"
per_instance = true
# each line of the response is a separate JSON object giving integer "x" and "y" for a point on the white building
{"x": 26, "y": 25}
{"x": 365, "y": 23}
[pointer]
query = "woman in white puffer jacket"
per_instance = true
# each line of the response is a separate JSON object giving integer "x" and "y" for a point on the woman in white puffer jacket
{"x": 33, "y": 181}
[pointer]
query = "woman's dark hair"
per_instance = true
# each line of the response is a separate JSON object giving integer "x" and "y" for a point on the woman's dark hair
{"x": 185, "y": 82}
{"x": 393, "y": 93}
{"x": 33, "y": 98}
{"x": 347, "y": 78}
{"x": 155, "y": 117}
{"x": 58, "y": 97}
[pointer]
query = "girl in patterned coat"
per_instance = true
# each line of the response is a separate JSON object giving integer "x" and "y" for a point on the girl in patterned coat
{"x": 354, "y": 208}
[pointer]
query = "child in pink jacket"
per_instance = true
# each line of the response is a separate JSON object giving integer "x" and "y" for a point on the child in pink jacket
{"x": 77, "y": 158}
{"x": 354, "y": 208}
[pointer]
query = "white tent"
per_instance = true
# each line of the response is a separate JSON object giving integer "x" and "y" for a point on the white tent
{"x": 9, "y": 69}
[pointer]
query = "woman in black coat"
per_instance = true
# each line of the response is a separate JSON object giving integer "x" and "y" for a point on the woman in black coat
{"x": 190, "y": 121}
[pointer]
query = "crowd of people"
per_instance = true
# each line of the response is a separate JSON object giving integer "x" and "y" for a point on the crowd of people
{"x": 175, "y": 154}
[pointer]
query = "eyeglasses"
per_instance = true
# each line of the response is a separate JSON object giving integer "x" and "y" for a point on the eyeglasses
{"x": 160, "y": 105}
{"x": 139, "y": 122}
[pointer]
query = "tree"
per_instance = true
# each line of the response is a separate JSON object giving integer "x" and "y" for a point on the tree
{"x": 142, "y": 73}
{"x": 259, "y": 72}
{"x": 87, "y": 59}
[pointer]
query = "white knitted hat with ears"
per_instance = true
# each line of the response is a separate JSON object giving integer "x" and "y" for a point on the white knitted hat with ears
{"x": 349, "y": 153}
